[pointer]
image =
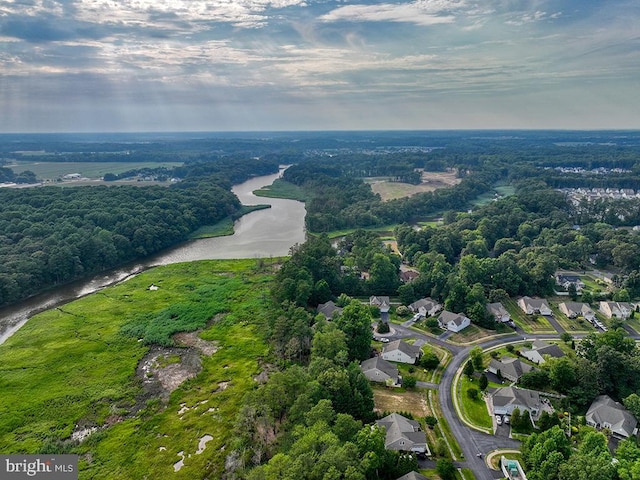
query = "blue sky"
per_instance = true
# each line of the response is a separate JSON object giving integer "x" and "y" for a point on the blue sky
{"x": 168, "y": 65}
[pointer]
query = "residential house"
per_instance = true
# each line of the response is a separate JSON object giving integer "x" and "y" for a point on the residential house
{"x": 413, "y": 476}
{"x": 400, "y": 351}
{"x": 453, "y": 321}
{"x": 540, "y": 349}
{"x": 577, "y": 309}
{"x": 532, "y": 306}
{"x": 506, "y": 399}
{"x": 619, "y": 310}
{"x": 606, "y": 413}
{"x": 426, "y": 307}
{"x": 383, "y": 303}
{"x": 328, "y": 309}
{"x": 403, "y": 434}
{"x": 408, "y": 276}
{"x": 510, "y": 368}
{"x": 565, "y": 280}
{"x": 499, "y": 312}
{"x": 377, "y": 369}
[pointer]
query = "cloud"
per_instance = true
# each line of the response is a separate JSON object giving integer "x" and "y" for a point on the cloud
{"x": 419, "y": 13}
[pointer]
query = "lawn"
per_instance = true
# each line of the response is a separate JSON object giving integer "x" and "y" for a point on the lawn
{"x": 571, "y": 325}
{"x": 475, "y": 411}
{"x": 225, "y": 226}
{"x": 529, "y": 323}
{"x": 472, "y": 333}
{"x": 73, "y": 366}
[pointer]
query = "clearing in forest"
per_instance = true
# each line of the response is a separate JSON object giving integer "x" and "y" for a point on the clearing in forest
{"x": 430, "y": 181}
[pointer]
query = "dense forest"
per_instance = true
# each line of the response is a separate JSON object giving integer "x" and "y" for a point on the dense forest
{"x": 52, "y": 235}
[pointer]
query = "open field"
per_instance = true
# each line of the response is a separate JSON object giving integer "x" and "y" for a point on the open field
{"x": 388, "y": 399}
{"x": 282, "y": 189}
{"x": 54, "y": 170}
{"x": 430, "y": 181}
{"x": 475, "y": 411}
{"x": 71, "y": 369}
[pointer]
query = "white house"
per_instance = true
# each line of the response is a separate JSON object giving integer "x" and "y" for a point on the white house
{"x": 540, "y": 349}
{"x": 453, "y": 321}
{"x": 620, "y": 310}
{"x": 532, "y": 306}
{"x": 499, "y": 312}
{"x": 426, "y": 307}
{"x": 399, "y": 351}
{"x": 565, "y": 280}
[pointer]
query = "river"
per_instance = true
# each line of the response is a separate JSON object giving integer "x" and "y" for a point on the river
{"x": 263, "y": 233}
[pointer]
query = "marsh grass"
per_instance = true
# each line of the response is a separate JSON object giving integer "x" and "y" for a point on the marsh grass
{"x": 71, "y": 368}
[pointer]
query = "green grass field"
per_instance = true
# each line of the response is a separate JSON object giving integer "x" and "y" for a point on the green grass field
{"x": 529, "y": 323}
{"x": 475, "y": 411}
{"x": 53, "y": 170}
{"x": 73, "y": 366}
{"x": 283, "y": 189}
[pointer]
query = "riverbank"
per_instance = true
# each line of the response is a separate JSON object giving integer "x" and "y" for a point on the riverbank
{"x": 71, "y": 370}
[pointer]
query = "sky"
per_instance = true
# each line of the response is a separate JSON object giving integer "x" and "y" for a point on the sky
{"x": 245, "y": 65}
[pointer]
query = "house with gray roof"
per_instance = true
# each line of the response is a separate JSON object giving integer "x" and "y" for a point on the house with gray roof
{"x": 499, "y": 312}
{"x": 510, "y": 368}
{"x": 382, "y": 302}
{"x": 426, "y": 307}
{"x": 577, "y": 309}
{"x": 377, "y": 369}
{"x": 565, "y": 280}
{"x": 453, "y": 321}
{"x": 541, "y": 349}
{"x": 403, "y": 434}
{"x": 503, "y": 401}
{"x": 401, "y": 351}
{"x": 604, "y": 412}
{"x": 619, "y": 310}
{"x": 532, "y": 306}
{"x": 328, "y": 309}
{"x": 413, "y": 476}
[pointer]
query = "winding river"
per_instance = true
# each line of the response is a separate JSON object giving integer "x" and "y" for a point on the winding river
{"x": 263, "y": 233}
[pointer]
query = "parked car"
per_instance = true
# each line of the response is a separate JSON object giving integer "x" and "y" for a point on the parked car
{"x": 506, "y": 419}
{"x": 499, "y": 419}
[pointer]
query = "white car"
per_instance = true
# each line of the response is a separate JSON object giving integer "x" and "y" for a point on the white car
{"x": 384, "y": 340}
{"x": 499, "y": 419}
{"x": 506, "y": 419}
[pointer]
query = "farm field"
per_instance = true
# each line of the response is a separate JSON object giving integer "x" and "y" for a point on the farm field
{"x": 94, "y": 170}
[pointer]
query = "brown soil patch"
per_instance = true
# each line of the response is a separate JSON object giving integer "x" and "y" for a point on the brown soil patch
{"x": 430, "y": 181}
{"x": 192, "y": 339}
{"x": 392, "y": 400}
{"x": 159, "y": 379}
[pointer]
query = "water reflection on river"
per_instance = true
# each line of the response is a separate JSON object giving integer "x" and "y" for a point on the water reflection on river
{"x": 263, "y": 233}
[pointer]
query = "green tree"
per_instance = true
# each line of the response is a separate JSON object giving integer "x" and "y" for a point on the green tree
{"x": 429, "y": 360}
{"x": 476, "y": 358}
{"x": 483, "y": 382}
{"x": 446, "y": 469}
{"x": 468, "y": 369}
{"x": 355, "y": 322}
{"x": 473, "y": 393}
{"x": 632, "y": 403}
{"x": 409, "y": 381}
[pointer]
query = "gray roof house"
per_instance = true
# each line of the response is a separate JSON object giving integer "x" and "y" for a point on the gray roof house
{"x": 382, "y": 302}
{"x": 426, "y": 307}
{"x": 453, "y": 321}
{"x": 400, "y": 351}
{"x": 403, "y": 434}
{"x": 606, "y": 413}
{"x": 377, "y": 369}
{"x": 510, "y": 368}
{"x": 506, "y": 399}
{"x": 499, "y": 312}
{"x": 328, "y": 309}
{"x": 565, "y": 280}
{"x": 413, "y": 476}
{"x": 616, "y": 309}
{"x": 577, "y": 309}
{"x": 534, "y": 305}
{"x": 539, "y": 349}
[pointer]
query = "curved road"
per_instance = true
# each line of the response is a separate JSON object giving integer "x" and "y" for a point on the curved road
{"x": 471, "y": 441}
